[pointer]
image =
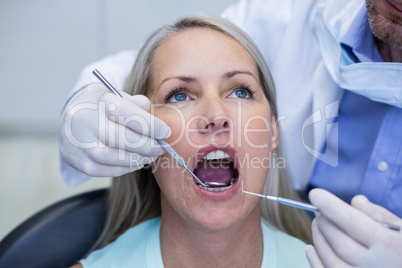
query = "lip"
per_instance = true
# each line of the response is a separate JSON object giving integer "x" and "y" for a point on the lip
{"x": 232, "y": 153}
{"x": 394, "y": 7}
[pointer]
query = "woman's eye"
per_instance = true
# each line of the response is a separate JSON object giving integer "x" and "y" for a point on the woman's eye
{"x": 241, "y": 93}
{"x": 177, "y": 97}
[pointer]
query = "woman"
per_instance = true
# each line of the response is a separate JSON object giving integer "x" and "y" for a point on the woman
{"x": 209, "y": 83}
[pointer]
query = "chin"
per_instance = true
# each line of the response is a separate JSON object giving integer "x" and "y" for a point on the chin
{"x": 218, "y": 220}
{"x": 385, "y": 24}
{"x": 387, "y": 31}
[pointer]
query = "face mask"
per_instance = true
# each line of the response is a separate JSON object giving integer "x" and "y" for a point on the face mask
{"x": 378, "y": 81}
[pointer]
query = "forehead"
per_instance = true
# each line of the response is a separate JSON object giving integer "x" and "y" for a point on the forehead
{"x": 201, "y": 51}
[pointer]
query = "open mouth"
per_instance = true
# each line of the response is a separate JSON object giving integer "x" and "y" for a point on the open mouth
{"x": 219, "y": 168}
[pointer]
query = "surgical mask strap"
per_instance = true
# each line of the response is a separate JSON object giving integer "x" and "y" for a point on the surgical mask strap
{"x": 378, "y": 81}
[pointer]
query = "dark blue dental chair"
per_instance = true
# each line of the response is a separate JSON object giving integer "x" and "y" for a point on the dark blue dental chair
{"x": 57, "y": 236}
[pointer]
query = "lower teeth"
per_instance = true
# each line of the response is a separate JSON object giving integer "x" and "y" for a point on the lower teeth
{"x": 219, "y": 189}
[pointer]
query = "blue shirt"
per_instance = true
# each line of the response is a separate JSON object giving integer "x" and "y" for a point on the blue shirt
{"x": 369, "y": 137}
{"x": 140, "y": 247}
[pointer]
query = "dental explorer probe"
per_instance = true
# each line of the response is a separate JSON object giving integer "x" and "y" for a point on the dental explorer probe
{"x": 310, "y": 207}
{"x": 284, "y": 201}
{"x": 162, "y": 142}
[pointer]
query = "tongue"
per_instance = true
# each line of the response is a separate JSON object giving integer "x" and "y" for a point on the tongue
{"x": 215, "y": 171}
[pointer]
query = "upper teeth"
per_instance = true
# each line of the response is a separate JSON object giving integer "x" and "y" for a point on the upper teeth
{"x": 218, "y": 154}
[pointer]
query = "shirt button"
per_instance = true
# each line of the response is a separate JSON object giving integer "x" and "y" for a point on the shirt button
{"x": 382, "y": 166}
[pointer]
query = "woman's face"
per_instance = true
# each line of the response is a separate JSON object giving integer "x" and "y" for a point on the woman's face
{"x": 206, "y": 87}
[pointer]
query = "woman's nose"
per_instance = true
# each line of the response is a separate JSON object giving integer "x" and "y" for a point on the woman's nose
{"x": 214, "y": 117}
{"x": 216, "y": 123}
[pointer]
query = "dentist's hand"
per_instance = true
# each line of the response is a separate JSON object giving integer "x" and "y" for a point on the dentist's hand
{"x": 348, "y": 236}
{"x": 104, "y": 135}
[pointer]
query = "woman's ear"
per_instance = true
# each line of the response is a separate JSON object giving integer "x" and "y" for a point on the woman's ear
{"x": 275, "y": 134}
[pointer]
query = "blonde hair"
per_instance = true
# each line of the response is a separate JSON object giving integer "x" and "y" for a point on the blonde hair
{"x": 135, "y": 197}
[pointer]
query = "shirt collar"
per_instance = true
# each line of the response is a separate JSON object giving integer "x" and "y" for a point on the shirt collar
{"x": 359, "y": 41}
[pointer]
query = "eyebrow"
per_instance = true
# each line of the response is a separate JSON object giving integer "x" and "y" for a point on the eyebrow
{"x": 233, "y": 73}
{"x": 187, "y": 79}
{"x": 190, "y": 79}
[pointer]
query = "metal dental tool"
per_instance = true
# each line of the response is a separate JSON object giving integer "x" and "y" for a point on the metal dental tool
{"x": 284, "y": 201}
{"x": 310, "y": 207}
{"x": 163, "y": 143}
{"x": 182, "y": 163}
